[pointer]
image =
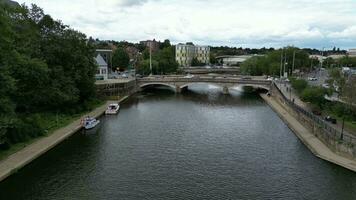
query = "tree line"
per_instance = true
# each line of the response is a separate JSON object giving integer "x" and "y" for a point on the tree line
{"x": 291, "y": 58}
{"x": 45, "y": 67}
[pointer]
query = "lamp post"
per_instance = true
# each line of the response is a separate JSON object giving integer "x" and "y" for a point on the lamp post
{"x": 151, "y": 59}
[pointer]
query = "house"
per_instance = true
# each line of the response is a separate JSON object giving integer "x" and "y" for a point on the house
{"x": 102, "y": 72}
{"x": 106, "y": 54}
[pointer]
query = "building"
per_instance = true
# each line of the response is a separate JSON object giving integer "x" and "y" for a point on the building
{"x": 106, "y": 54}
{"x": 153, "y": 44}
{"x": 336, "y": 56}
{"x": 185, "y": 53}
{"x": 102, "y": 72}
{"x": 233, "y": 60}
{"x": 352, "y": 52}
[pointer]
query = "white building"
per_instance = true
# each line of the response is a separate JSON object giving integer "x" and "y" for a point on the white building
{"x": 102, "y": 72}
{"x": 352, "y": 52}
{"x": 233, "y": 60}
{"x": 186, "y": 52}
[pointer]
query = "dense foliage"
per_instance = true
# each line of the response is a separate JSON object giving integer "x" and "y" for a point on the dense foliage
{"x": 299, "y": 84}
{"x": 120, "y": 58}
{"x": 163, "y": 61}
{"x": 270, "y": 63}
{"x": 45, "y": 67}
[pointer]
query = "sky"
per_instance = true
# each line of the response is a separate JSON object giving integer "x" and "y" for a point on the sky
{"x": 241, "y": 23}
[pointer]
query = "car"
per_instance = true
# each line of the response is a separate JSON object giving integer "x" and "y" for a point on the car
{"x": 246, "y": 78}
{"x": 312, "y": 79}
{"x": 124, "y": 76}
{"x": 325, "y": 85}
{"x": 330, "y": 119}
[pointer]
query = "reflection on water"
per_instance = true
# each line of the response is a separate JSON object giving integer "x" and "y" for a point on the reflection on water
{"x": 196, "y": 145}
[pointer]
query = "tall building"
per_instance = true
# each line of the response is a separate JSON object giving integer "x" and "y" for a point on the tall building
{"x": 185, "y": 53}
{"x": 153, "y": 44}
{"x": 352, "y": 52}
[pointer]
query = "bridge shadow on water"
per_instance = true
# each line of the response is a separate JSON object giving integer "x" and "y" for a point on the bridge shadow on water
{"x": 202, "y": 94}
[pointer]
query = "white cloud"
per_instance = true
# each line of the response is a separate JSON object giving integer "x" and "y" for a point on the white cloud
{"x": 225, "y": 22}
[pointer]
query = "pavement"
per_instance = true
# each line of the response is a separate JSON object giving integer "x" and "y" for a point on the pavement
{"x": 313, "y": 143}
{"x": 23, "y": 157}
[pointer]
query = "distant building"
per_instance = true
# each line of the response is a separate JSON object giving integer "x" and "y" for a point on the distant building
{"x": 352, "y": 52}
{"x": 153, "y": 44}
{"x": 102, "y": 72}
{"x": 106, "y": 54}
{"x": 232, "y": 60}
{"x": 336, "y": 56}
{"x": 132, "y": 51}
{"x": 186, "y": 52}
{"x": 319, "y": 57}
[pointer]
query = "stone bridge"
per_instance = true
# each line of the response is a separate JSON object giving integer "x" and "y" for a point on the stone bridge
{"x": 178, "y": 83}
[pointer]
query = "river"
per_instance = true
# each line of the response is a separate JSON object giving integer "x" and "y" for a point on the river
{"x": 196, "y": 145}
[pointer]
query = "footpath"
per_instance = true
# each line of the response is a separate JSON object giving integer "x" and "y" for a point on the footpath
{"x": 16, "y": 161}
{"x": 313, "y": 143}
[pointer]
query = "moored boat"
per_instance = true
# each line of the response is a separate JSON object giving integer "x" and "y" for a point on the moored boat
{"x": 90, "y": 122}
{"x": 112, "y": 109}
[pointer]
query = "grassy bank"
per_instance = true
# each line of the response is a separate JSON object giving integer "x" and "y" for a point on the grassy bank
{"x": 315, "y": 96}
{"x": 50, "y": 122}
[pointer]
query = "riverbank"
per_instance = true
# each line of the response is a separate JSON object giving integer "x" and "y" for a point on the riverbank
{"x": 317, "y": 147}
{"x": 21, "y": 158}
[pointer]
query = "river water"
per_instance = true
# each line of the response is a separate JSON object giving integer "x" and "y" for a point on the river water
{"x": 196, "y": 145}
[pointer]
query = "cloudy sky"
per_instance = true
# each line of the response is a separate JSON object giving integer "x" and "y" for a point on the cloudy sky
{"x": 257, "y": 23}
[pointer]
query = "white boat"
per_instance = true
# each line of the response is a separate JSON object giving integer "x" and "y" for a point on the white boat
{"x": 89, "y": 123}
{"x": 112, "y": 109}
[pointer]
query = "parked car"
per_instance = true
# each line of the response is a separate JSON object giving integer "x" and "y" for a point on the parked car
{"x": 330, "y": 119}
{"x": 312, "y": 79}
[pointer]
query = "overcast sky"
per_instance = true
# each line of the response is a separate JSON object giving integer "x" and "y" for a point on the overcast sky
{"x": 258, "y": 23}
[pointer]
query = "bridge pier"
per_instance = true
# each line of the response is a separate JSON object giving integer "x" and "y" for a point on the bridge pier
{"x": 178, "y": 89}
{"x": 225, "y": 90}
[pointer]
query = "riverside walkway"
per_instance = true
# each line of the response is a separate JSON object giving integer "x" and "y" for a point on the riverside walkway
{"x": 313, "y": 143}
{"x": 23, "y": 157}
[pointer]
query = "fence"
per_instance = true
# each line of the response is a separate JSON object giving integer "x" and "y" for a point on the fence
{"x": 327, "y": 128}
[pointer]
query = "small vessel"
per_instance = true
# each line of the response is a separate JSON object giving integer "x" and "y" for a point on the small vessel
{"x": 112, "y": 109}
{"x": 90, "y": 122}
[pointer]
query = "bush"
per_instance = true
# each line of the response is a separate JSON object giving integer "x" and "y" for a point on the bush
{"x": 299, "y": 84}
{"x": 314, "y": 95}
{"x": 26, "y": 128}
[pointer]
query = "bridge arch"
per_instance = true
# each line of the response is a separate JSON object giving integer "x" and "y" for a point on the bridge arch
{"x": 264, "y": 87}
{"x": 195, "y": 83}
{"x": 142, "y": 86}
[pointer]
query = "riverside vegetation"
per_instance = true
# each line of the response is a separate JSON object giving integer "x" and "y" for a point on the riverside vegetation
{"x": 46, "y": 74}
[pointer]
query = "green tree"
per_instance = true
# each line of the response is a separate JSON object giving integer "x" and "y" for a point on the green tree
{"x": 120, "y": 58}
{"x": 166, "y": 61}
{"x": 195, "y": 62}
{"x": 144, "y": 67}
{"x": 165, "y": 44}
{"x": 45, "y": 67}
{"x": 314, "y": 95}
{"x": 299, "y": 84}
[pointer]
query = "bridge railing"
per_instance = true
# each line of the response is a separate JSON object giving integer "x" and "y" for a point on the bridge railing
{"x": 328, "y": 129}
{"x": 207, "y": 79}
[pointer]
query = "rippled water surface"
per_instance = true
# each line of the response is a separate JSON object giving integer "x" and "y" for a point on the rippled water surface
{"x": 197, "y": 145}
